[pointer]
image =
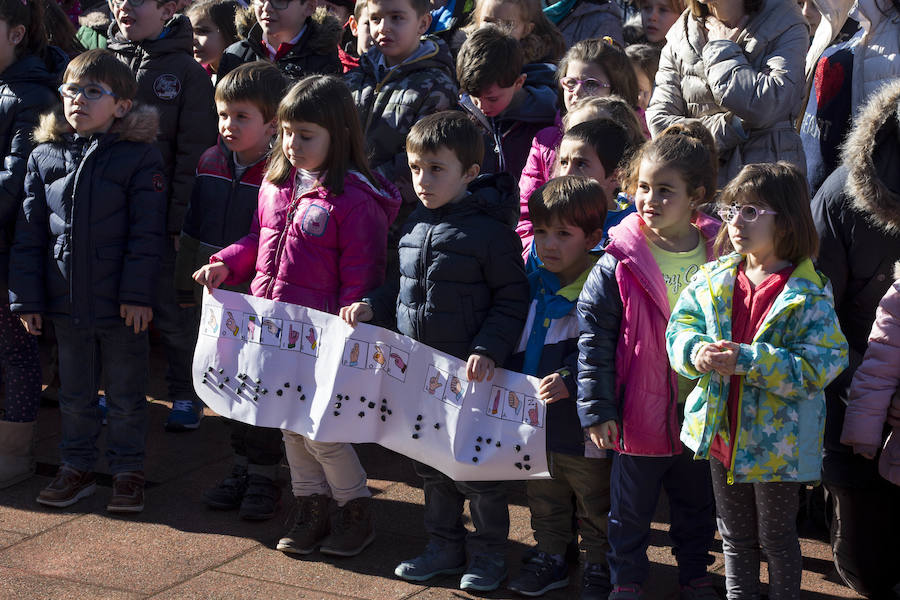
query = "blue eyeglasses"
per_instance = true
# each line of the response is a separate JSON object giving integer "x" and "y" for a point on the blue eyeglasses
{"x": 91, "y": 91}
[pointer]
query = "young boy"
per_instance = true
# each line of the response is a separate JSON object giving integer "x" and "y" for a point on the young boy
{"x": 568, "y": 215}
{"x": 510, "y": 104}
{"x": 462, "y": 290}
{"x": 292, "y": 34}
{"x": 86, "y": 253}
{"x": 157, "y": 45}
{"x": 220, "y": 213}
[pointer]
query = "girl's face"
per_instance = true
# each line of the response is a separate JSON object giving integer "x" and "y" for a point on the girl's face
{"x": 645, "y": 87}
{"x": 305, "y": 144}
{"x": 657, "y": 17}
{"x": 749, "y": 235}
{"x": 506, "y": 15}
{"x": 10, "y": 37}
{"x": 583, "y": 80}
{"x": 662, "y": 199}
{"x": 209, "y": 43}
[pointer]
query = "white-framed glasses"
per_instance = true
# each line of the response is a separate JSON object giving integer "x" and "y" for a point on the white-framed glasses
{"x": 748, "y": 212}
{"x": 589, "y": 85}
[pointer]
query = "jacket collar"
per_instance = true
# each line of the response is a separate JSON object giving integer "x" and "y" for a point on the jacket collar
{"x": 139, "y": 125}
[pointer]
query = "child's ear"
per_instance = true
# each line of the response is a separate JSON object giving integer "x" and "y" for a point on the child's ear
{"x": 272, "y": 127}
{"x": 697, "y": 196}
{"x": 122, "y": 108}
{"x": 591, "y": 241}
{"x": 424, "y": 23}
{"x": 520, "y": 81}
{"x": 471, "y": 173}
{"x": 529, "y": 28}
{"x": 354, "y": 26}
{"x": 168, "y": 10}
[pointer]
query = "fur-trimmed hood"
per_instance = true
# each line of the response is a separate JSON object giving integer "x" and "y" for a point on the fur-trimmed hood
{"x": 139, "y": 125}
{"x": 872, "y": 156}
{"x": 97, "y": 18}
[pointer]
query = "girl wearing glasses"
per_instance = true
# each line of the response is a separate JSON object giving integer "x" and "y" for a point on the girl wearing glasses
{"x": 759, "y": 331}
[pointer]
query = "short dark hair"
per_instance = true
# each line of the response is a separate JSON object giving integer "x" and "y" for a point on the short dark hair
{"x": 615, "y": 108}
{"x": 420, "y": 6}
{"x": 781, "y": 187}
{"x": 221, "y": 13}
{"x": 609, "y": 140}
{"x": 259, "y": 82}
{"x": 609, "y": 56}
{"x": 488, "y": 56}
{"x": 447, "y": 129}
{"x": 104, "y": 67}
{"x": 570, "y": 199}
{"x": 645, "y": 57}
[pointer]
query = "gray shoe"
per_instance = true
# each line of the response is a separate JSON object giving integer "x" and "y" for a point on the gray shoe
{"x": 352, "y": 529}
{"x": 437, "y": 559}
{"x": 310, "y": 527}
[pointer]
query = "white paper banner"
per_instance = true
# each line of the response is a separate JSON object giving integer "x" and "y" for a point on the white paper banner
{"x": 281, "y": 365}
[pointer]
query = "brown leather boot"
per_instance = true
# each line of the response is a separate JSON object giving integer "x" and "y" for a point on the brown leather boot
{"x": 68, "y": 487}
{"x": 128, "y": 493}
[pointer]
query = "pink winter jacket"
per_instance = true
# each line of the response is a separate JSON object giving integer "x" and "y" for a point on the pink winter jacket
{"x": 538, "y": 171}
{"x": 876, "y": 380}
{"x": 320, "y": 251}
{"x": 645, "y": 382}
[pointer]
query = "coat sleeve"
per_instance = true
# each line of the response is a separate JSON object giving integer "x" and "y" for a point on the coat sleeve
{"x": 29, "y": 251}
{"x": 362, "y": 241}
{"x": 600, "y": 319}
{"x": 146, "y": 231}
{"x": 240, "y": 257}
{"x": 12, "y": 171}
{"x": 687, "y": 328}
{"x": 759, "y": 98}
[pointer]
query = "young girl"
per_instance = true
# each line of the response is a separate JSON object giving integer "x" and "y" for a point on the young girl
{"x": 332, "y": 214}
{"x": 29, "y": 74}
{"x": 214, "y": 30}
{"x": 759, "y": 330}
{"x": 524, "y": 20}
{"x": 645, "y": 62}
{"x": 629, "y": 398}
{"x": 657, "y": 17}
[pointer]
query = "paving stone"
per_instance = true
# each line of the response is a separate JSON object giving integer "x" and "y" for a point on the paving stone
{"x": 214, "y": 585}
{"x": 21, "y": 584}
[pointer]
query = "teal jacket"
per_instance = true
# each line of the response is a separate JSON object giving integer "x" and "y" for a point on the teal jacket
{"x": 798, "y": 350}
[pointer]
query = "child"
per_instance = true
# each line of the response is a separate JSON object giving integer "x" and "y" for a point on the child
{"x": 295, "y": 36}
{"x": 157, "y": 46}
{"x": 657, "y": 17}
{"x": 524, "y": 21}
{"x": 221, "y": 212}
{"x": 214, "y": 30}
{"x": 568, "y": 213}
{"x": 338, "y": 213}
{"x": 29, "y": 73}
{"x": 586, "y": 19}
{"x": 758, "y": 329}
{"x": 645, "y": 62}
{"x": 86, "y": 254}
{"x": 462, "y": 290}
{"x": 509, "y": 105}
{"x": 628, "y": 396}
{"x": 359, "y": 27}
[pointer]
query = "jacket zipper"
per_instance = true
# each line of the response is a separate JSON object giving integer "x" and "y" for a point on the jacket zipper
{"x": 420, "y": 316}
{"x": 280, "y": 247}
{"x": 72, "y": 278}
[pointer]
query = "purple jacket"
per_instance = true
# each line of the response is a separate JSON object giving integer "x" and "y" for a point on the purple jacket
{"x": 538, "y": 171}
{"x": 320, "y": 250}
{"x": 874, "y": 383}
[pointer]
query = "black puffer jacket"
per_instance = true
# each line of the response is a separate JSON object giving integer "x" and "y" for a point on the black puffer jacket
{"x": 170, "y": 80}
{"x": 462, "y": 285}
{"x": 91, "y": 232}
{"x": 27, "y": 89}
{"x": 315, "y": 52}
{"x": 857, "y": 214}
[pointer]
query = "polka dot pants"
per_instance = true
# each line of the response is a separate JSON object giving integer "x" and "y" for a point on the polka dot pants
{"x": 21, "y": 368}
{"x": 751, "y": 516}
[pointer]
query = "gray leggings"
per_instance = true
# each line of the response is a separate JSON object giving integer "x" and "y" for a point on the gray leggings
{"x": 751, "y": 516}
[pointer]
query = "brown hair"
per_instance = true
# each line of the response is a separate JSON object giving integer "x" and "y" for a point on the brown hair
{"x": 448, "y": 129}
{"x": 781, "y": 187}
{"x": 543, "y": 43}
{"x": 694, "y": 128}
{"x": 645, "y": 57}
{"x": 221, "y": 13}
{"x": 326, "y": 101}
{"x": 102, "y": 66}
{"x": 358, "y": 8}
{"x": 610, "y": 57}
{"x": 420, "y": 6}
{"x": 700, "y": 11}
{"x": 487, "y": 57}
{"x": 29, "y": 14}
{"x": 578, "y": 201}
{"x": 617, "y": 109}
{"x": 259, "y": 82}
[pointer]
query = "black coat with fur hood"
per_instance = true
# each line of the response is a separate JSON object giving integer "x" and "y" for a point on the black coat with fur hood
{"x": 857, "y": 215}
{"x": 92, "y": 229}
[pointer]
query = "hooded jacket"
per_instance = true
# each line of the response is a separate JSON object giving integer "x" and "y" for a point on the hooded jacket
{"x": 318, "y": 249}
{"x": 509, "y": 135}
{"x": 592, "y": 20}
{"x": 537, "y": 171}
{"x": 27, "y": 88}
{"x": 462, "y": 286}
{"x": 91, "y": 232}
{"x": 623, "y": 369}
{"x": 797, "y": 350}
{"x": 748, "y": 93}
{"x": 857, "y": 215}
{"x": 179, "y": 88}
{"x": 314, "y": 54}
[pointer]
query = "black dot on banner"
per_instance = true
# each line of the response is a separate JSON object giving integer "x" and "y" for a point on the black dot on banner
{"x": 419, "y": 418}
{"x": 361, "y": 414}
{"x": 221, "y": 385}
{"x": 415, "y": 436}
{"x": 287, "y": 384}
{"x": 498, "y": 444}
{"x": 487, "y": 441}
{"x": 221, "y": 371}
{"x": 383, "y": 418}
{"x": 477, "y": 448}
{"x": 265, "y": 391}
{"x": 256, "y": 397}
{"x": 437, "y": 425}
{"x": 210, "y": 369}
{"x": 303, "y": 396}
{"x": 418, "y": 427}
{"x": 227, "y": 380}
{"x": 527, "y": 467}
{"x": 336, "y": 413}
{"x": 278, "y": 392}
{"x": 362, "y": 398}
{"x": 475, "y": 459}
{"x": 518, "y": 447}
{"x": 519, "y": 466}
{"x": 337, "y": 404}
{"x": 384, "y": 400}
{"x": 371, "y": 405}
{"x": 478, "y": 439}
{"x": 526, "y": 457}
{"x": 383, "y": 409}
{"x": 259, "y": 380}
{"x": 299, "y": 388}
{"x": 389, "y": 412}
{"x": 256, "y": 389}
{"x": 339, "y": 397}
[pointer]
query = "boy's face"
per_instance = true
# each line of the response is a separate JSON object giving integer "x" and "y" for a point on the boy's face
{"x": 281, "y": 25}
{"x": 396, "y": 28}
{"x": 657, "y": 17}
{"x": 244, "y": 130}
{"x": 88, "y": 116}
{"x": 362, "y": 32}
{"x": 495, "y": 99}
{"x": 563, "y": 248}
{"x": 143, "y": 22}
{"x": 209, "y": 43}
{"x": 438, "y": 177}
{"x": 579, "y": 158}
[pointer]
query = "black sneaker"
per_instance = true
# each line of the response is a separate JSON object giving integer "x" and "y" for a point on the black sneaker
{"x": 310, "y": 526}
{"x": 595, "y": 583}
{"x": 261, "y": 499}
{"x": 228, "y": 493}
{"x": 352, "y": 529}
{"x": 540, "y": 575}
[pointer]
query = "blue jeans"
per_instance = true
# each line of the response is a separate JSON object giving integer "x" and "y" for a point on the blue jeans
{"x": 178, "y": 328}
{"x": 444, "y": 500}
{"x": 124, "y": 358}
{"x": 635, "y": 483}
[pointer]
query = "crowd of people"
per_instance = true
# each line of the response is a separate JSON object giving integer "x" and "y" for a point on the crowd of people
{"x": 683, "y": 218}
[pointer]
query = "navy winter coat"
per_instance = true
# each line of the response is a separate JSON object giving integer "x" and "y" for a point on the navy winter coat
{"x": 91, "y": 230}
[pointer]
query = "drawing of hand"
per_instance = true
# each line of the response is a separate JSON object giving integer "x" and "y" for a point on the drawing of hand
{"x": 272, "y": 327}
{"x": 378, "y": 356}
{"x": 354, "y": 354}
{"x": 311, "y": 338}
{"x": 399, "y": 362}
{"x": 293, "y": 336}
{"x": 513, "y": 401}
{"x": 230, "y": 324}
{"x": 433, "y": 384}
{"x": 211, "y": 320}
{"x": 533, "y": 415}
{"x": 456, "y": 386}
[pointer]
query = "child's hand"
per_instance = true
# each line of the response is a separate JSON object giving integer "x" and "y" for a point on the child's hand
{"x": 212, "y": 275}
{"x": 604, "y": 435}
{"x": 478, "y": 367}
{"x": 358, "y": 312}
{"x": 137, "y": 316}
{"x": 32, "y": 322}
{"x": 703, "y": 360}
{"x": 726, "y": 359}
{"x": 553, "y": 388}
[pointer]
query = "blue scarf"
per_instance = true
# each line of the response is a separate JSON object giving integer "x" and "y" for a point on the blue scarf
{"x": 550, "y": 305}
{"x": 556, "y": 12}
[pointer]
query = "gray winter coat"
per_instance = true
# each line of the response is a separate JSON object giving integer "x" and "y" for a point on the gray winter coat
{"x": 592, "y": 20}
{"x": 748, "y": 93}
